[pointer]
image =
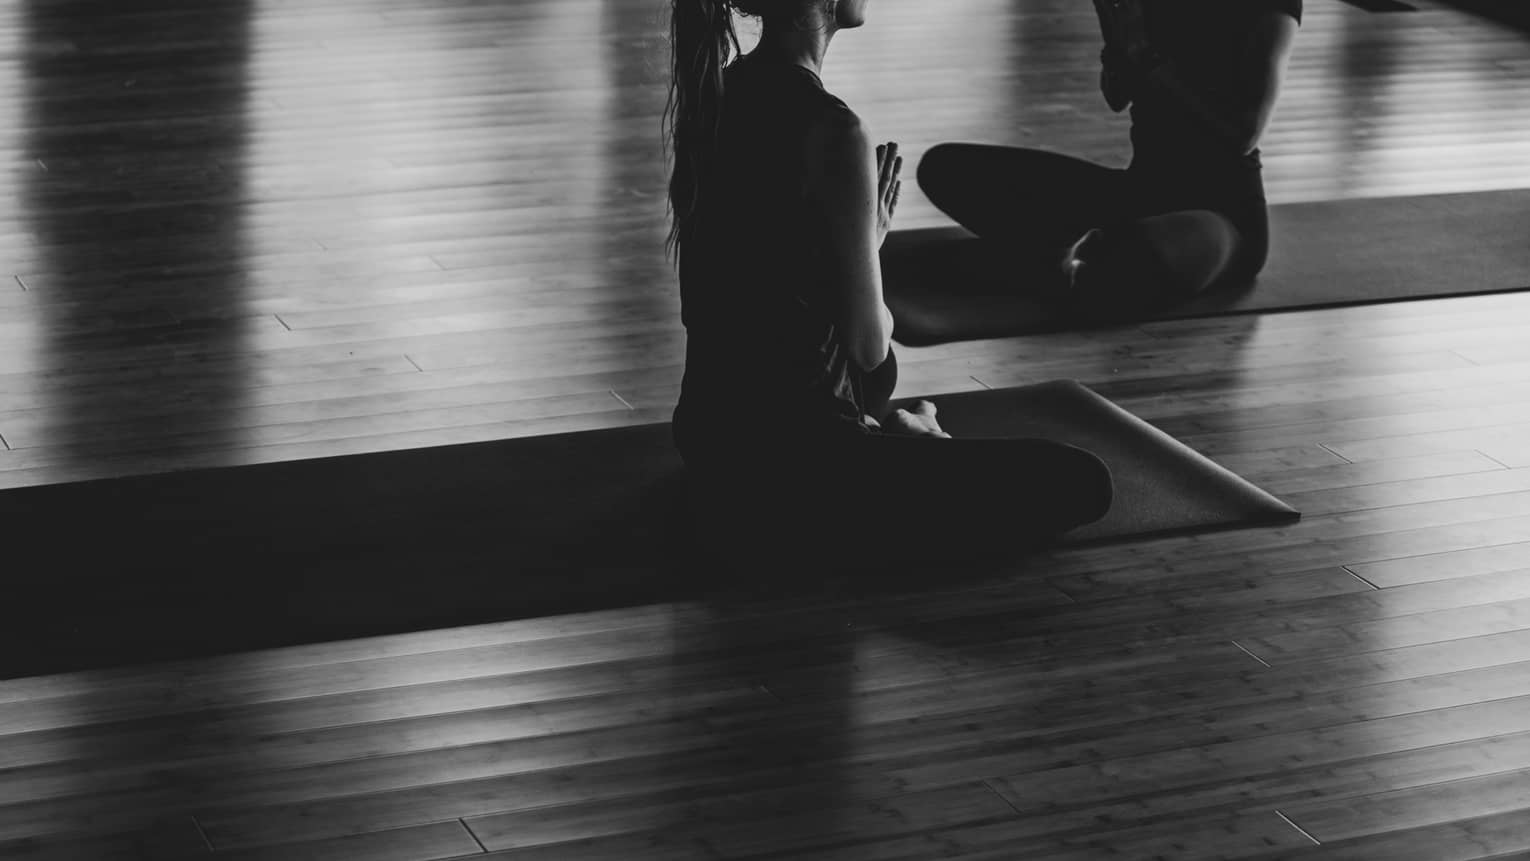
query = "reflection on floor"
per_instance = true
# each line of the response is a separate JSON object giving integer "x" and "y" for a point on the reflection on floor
{"x": 272, "y": 231}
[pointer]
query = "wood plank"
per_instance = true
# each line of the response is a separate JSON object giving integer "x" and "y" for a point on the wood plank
{"x": 1430, "y": 488}
{"x": 22, "y": 392}
{"x": 1441, "y": 566}
{"x": 1505, "y": 792}
{"x": 1395, "y": 632}
{"x": 1341, "y": 403}
{"x": 347, "y": 726}
{"x": 348, "y": 754}
{"x": 1499, "y": 418}
{"x": 115, "y": 848}
{"x": 1335, "y": 553}
{"x": 1273, "y": 462}
{"x": 1333, "y": 476}
{"x": 1130, "y": 776}
{"x": 1292, "y": 370}
{"x": 419, "y": 843}
{"x": 1509, "y": 452}
{"x": 1502, "y": 836}
{"x": 1169, "y": 811}
{"x": 1220, "y": 837}
{"x": 825, "y": 823}
{"x": 1339, "y": 539}
{"x": 172, "y": 837}
{"x": 150, "y": 460}
{"x": 1485, "y": 439}
{"x": 304, "y": 430}
{"x": 33, "y": 430}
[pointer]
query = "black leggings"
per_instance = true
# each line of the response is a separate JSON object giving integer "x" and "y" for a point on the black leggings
{"x": 879, "y": 499}
{"x": 1161, "y": 242}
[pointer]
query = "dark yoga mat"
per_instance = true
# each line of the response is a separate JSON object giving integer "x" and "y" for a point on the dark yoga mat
{"x": 1515, "y": 13}
{"x": 944, "y": 285}
{"x": 210, "y": 561}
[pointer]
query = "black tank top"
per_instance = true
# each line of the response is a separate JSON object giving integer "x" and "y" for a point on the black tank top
{"x": 764, "y": 361}
{"x": 1205, "y": 40}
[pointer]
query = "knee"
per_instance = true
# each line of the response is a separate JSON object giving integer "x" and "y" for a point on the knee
{"x": 936, "y": 169}
{"x": 1250, "y": 226}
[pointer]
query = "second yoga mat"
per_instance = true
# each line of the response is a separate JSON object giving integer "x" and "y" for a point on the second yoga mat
{"x": 944, "y": 285}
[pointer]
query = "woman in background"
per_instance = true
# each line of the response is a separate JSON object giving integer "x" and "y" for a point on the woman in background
{"x": 780, "y": 203}
{"x": 1202, "y": 78}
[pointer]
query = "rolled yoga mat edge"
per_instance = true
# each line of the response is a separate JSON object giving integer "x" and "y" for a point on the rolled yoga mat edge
{"x": 943, "y": 284}
{"x": 1163, "y": 486}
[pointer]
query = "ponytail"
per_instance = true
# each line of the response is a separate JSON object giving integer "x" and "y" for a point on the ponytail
{"x": 702, "y": 41}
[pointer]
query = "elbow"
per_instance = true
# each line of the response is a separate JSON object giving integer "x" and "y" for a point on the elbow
{"x": 868, "y": 349}
{"x": 869, "y": 354}
{"x": 1240, "y": 137}
{"x": 1248, "y": 129}
{"x": 1247, "y": 139}
{"x": 868, "y": 341}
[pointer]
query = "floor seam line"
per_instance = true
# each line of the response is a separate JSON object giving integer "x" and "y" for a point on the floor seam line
{"x": 203, "y": 832}
{"x": 1300, "y": 830}
{"x": 1324, "y": 447}
{"x": 1493, "y": 459}
{"x": 988, "y": 784}
{"x": 1352, "y": 573}
{"x": 481, "y": 847}
{"x": 1245, "y": 651}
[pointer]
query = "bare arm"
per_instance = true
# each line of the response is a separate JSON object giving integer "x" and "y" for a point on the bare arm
{"x": 852, "y": 192}
{"x": 1241, "y": 120}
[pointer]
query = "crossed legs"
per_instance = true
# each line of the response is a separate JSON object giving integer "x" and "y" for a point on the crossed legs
{"x": 1086, "y": 230}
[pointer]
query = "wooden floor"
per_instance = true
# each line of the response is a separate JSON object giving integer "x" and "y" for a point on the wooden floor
{"x": 253, "y": 230}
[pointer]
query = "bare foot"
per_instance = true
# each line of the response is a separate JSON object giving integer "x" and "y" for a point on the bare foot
{"x": 920, "y": 421}
{"x": 1079, "y": 256}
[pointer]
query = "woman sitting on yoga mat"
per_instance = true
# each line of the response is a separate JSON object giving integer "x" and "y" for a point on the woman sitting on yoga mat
{"x": 779, "y": 205}
{"x": 1202, "y": 78}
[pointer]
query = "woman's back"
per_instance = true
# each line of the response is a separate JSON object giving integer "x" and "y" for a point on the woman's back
{"x": 1208, "y": 42}
{"x": 758, "y": 312}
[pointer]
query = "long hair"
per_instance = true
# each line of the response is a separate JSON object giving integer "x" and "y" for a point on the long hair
{"x": 702, "y": 41}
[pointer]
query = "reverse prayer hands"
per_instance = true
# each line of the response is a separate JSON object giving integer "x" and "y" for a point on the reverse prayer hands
{"x": 889, "y": 184}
